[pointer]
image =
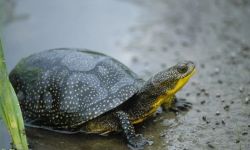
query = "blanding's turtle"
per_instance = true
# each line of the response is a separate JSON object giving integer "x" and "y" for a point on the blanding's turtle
{"x": 74, "y": 90}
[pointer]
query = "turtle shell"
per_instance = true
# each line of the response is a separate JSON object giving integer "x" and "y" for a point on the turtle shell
{"x": 64, "y": 88}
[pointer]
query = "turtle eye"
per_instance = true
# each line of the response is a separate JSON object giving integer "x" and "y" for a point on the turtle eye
{"x": 182, "y": 68}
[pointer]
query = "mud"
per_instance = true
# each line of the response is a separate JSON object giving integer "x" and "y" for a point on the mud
{"x": 149, "y": 36}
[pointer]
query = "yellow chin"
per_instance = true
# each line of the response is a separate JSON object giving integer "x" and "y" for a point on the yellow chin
{"x": 180, "y": 83}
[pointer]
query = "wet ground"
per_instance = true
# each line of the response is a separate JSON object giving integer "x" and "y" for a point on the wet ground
{"x": 149, "y": 36}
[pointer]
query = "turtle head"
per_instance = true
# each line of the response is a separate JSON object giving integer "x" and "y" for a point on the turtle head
{"x": 161, "y": 88}
{"x": 173, "y": 79}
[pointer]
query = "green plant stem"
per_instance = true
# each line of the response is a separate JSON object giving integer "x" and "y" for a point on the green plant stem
{"x": 9, "y": 107}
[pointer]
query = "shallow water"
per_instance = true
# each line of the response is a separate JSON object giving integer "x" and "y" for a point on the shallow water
{"x": 149, "y": 36}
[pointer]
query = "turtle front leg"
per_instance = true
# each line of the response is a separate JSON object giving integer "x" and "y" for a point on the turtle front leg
{"x": 136, "y": 141}
{"x": 176, "y": 104}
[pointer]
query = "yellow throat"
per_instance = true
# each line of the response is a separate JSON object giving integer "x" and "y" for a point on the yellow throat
{"x": 167, "y": 97}
{"x": 180, "y": 83}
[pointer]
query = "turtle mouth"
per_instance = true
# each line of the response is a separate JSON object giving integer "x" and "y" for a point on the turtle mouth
{"x": 181, "y": 82}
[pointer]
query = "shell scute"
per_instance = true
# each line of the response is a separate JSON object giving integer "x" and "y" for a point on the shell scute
{"x": 64, "y": 88}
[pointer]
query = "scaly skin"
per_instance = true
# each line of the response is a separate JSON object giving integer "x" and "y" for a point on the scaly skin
{"x": 159, "y": 90}
{"x": 75, "y": 90}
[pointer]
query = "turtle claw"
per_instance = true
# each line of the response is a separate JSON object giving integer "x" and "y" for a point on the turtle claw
{"x": 181, "y": 105}
{"x": 138, "y": 142}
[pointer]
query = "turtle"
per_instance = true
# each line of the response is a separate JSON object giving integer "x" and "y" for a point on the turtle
{"x": 78, "y": 90}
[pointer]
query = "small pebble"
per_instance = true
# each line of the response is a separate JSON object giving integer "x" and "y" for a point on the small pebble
{"x": 249, "y": 126}
{"x": 198, "y": 94}
{"x": 232, "y": 102}
{"x": 206, "y": 94}
{"x": 203, "y": 102}
{"x": 210, "y": 145}
{"x": 241, "y": 89}
{"x": 197, "y": 110}
{"x": 203, "y": 90}
{"x": 247, "y": 100}
{"x": 217, "y": 70}
{"x": 217, "y": 123}
{"x": 226, "y": 107}
{"x": 237, "y": 141}
{"x": 220, "y": 81}
{"x": 217, "y": 113}
{"x": 204, "y": 118}
{"x": 218, "y": 95}
{"x": 244, "y": 133}
{"x": 163, "y": 134}
{"x": 223, "y": 122}
{"x": 245, "y": 48}
{"x": 187, "y": 94}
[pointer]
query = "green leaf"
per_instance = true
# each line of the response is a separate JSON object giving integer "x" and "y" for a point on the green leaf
{"x": 10, "y": 110}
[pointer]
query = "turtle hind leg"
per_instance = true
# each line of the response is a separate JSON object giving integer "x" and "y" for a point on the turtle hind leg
{"x": 135, "y": 141}
{"x": 176, "y": 104}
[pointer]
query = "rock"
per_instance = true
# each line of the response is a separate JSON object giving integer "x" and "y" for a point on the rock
{"x": 226, "y": 107}
{"x": 163, "y": 134}
{"x": 237, "y": 141}
{"x": 210, "y": 145}
{"x": 217, "y": 70}
{"x": 220, "y": 81}
{"x": 203, "y": 90}
{"x": 241, "y": 89}
{"x": 223, "y": 122}
{"x": 203, "y": 102}
{"x": 204, "y": 118}
{"x": 206, "y": 94}
{"x": 218, "y": 95}
{"x": 197, "y": 110}
{"x": 247, "y": 100}
{"x": 217, "y": 113}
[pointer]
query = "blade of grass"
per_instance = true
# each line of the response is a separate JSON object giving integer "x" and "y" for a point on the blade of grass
{"x": 9, "y": 108}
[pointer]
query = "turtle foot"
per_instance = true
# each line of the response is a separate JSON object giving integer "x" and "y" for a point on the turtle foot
{"x": 181, "y": 105}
